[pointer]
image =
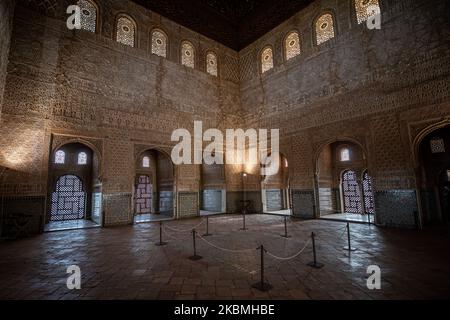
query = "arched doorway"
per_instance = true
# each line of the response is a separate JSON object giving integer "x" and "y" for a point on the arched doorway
{"x": 212, "y": 189}
{"x": 434, "y": 177}
{"x": 344, "y": 187}
{"x": 153, "y": 187}
{"x": 275, "y": 192}
{"x": 75, "y": 189}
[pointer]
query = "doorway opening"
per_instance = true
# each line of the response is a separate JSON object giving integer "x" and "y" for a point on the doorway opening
{"x": 275, "y": 190}
{"x": 434, "y": 178}
{"x": 212, "y": 189}
{"x": 344, "y": 185}
{"x": 75, "y": 199}
{"x": 153, "y": 187}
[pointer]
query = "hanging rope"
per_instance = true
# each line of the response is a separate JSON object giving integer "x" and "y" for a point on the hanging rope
{"x": 225, "y": 249}
{"x": 291, "y": 257}
{"x": 184, "y": 230}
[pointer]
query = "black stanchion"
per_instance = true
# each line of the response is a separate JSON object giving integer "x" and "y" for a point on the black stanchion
{"x": 195, "y": 256}
{"x": 285, "y": 235}
{"x": 207, "y": 228}
{"x": 314, "y": 263}
{"x": 243, "y": 222}
{"x": 261, "y": 285}
{"x": 160, "y": 243}
{"x": 349, "y": 245}
{"x": 368, "y": 219}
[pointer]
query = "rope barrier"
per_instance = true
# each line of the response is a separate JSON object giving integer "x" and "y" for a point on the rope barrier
{"x": 169, "y": 235}
{"x": 291, "y": 257}
{"x": 185, "y": 230}
{"x": 225, "y": 249}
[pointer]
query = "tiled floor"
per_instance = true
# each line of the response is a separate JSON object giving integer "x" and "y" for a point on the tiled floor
{"x": 124, "y": 263}
{"x": 69, "y": 225}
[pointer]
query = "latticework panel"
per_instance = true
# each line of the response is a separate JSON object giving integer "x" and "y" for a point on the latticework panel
{"x": 350, "y": 193}
{"x": 68, "y": 200}
{"x": 144, "y": 191}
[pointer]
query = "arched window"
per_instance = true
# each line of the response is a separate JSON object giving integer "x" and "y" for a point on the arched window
{"x": 368, "y": 193}
{"x": 60, "y": 157}
{"x": 82, "y": 158}
{"x": 126, "y": 31}
{"x": 350, "y": 193}
{"x": 159, "y": 43}
{"x": 211, "y": 63}
{"x": 324, "y": 28}
{"x": 292, "y": 45}
{"x": 187, "y": 54}
{"x": 88, "y": 15}
{"x": 366, "y": 9}
{"x": 344, "y": 155}
{"x": 266, "y": 60}
{"x": 146, "y": 162}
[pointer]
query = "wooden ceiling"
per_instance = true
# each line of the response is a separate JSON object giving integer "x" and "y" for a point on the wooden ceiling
{"x": 234, "y": 23}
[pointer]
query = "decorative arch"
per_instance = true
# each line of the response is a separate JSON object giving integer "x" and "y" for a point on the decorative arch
{"x": 325, "y": 27}
{"x": 292, "y": 45}
{"x": 126, "y": 30}
{"x": 212, "y": 65}
{"x": 266, "y": 59}
{"x": 159, "y": 44}
{"x": 343, "y": 139}
{"x": 187, "y": 54}
{"x": 97, "y": 153}
{"x": 365, "y": 9}
{"x": 90, "y": 15}
{"x": 418, "y": 138}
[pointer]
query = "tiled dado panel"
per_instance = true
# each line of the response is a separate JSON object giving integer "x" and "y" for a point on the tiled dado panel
{"x": 303, "y": 204}
{"x": 234, "y": 201}
{"x": 274, "y": 199}
{"x": 187, "y": 204}
{"x": 117, "y": 209}
{"x": 34, "y": 206}
{"x": 396, "y": 208}
{"x": 166, "y": 202}
{"x": 212, "y": 200}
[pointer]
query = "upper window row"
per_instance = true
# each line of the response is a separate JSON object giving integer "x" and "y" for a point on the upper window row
{"x": 60, "y": 157}
{"x": 126, "y": 30}
{"x": 324, "y": 30}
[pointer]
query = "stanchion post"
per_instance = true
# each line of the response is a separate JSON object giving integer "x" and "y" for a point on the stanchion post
{"x": 368, "y": 219}
{"x": 195, "y": 256}
{"x": 349, "y": 244}
{"x": 243, "y": 221}
{"x": 160, "y": 243}
{"x": 314, "y": 263}
{"x": 261, "y": 285}
{"x": 285, "y": 235}
{"x": 207, "y": 228}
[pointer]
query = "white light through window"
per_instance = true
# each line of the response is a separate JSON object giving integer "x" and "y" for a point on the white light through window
{"x": 146, "y": 162}
{"x": 82, "y": 158}
{"x": 60, "y": 157}
{"x": 345, "y": 154}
